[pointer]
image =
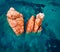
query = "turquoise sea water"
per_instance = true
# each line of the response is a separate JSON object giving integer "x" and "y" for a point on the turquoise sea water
{"x": 46, "y": 41}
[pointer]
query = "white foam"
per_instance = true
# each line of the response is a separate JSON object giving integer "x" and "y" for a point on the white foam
{"x": 41, "y": 14}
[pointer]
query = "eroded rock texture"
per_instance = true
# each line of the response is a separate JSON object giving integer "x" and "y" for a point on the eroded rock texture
{"x": 15, "y": 20}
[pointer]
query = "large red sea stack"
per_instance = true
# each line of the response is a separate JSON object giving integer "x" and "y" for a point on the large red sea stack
{"x": 15, "y": 20}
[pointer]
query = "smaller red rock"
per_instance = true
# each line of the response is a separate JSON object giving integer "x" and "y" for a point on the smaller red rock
{"x": 30, "y": 24}
{"x": 38, "y": 21}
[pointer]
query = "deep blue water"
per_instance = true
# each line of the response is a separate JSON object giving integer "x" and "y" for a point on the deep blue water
{"x": 46, "y": 41}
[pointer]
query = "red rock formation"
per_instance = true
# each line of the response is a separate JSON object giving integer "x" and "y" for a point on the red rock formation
{"x": 38, "y": 21}
{"x": 15, "y": 20}
{"x": 30, "y": 24}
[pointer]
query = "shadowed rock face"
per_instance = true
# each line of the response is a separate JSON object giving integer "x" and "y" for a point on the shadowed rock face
{"x": 15, "y": 20}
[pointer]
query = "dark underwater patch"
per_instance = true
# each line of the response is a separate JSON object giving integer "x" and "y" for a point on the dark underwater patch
{"x": 53, "y": 45}
{"x": 54, "y": 3}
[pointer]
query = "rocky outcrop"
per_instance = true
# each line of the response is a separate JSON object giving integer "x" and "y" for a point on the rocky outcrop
{"x": 15, "y": 20}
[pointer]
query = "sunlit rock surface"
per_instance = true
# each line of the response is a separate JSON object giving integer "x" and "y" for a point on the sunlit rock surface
{"x": 30, "y": 24}
{"x": 15, "y": 20}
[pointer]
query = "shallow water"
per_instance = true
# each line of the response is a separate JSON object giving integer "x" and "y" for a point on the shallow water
{"x": 46, "y": 41}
